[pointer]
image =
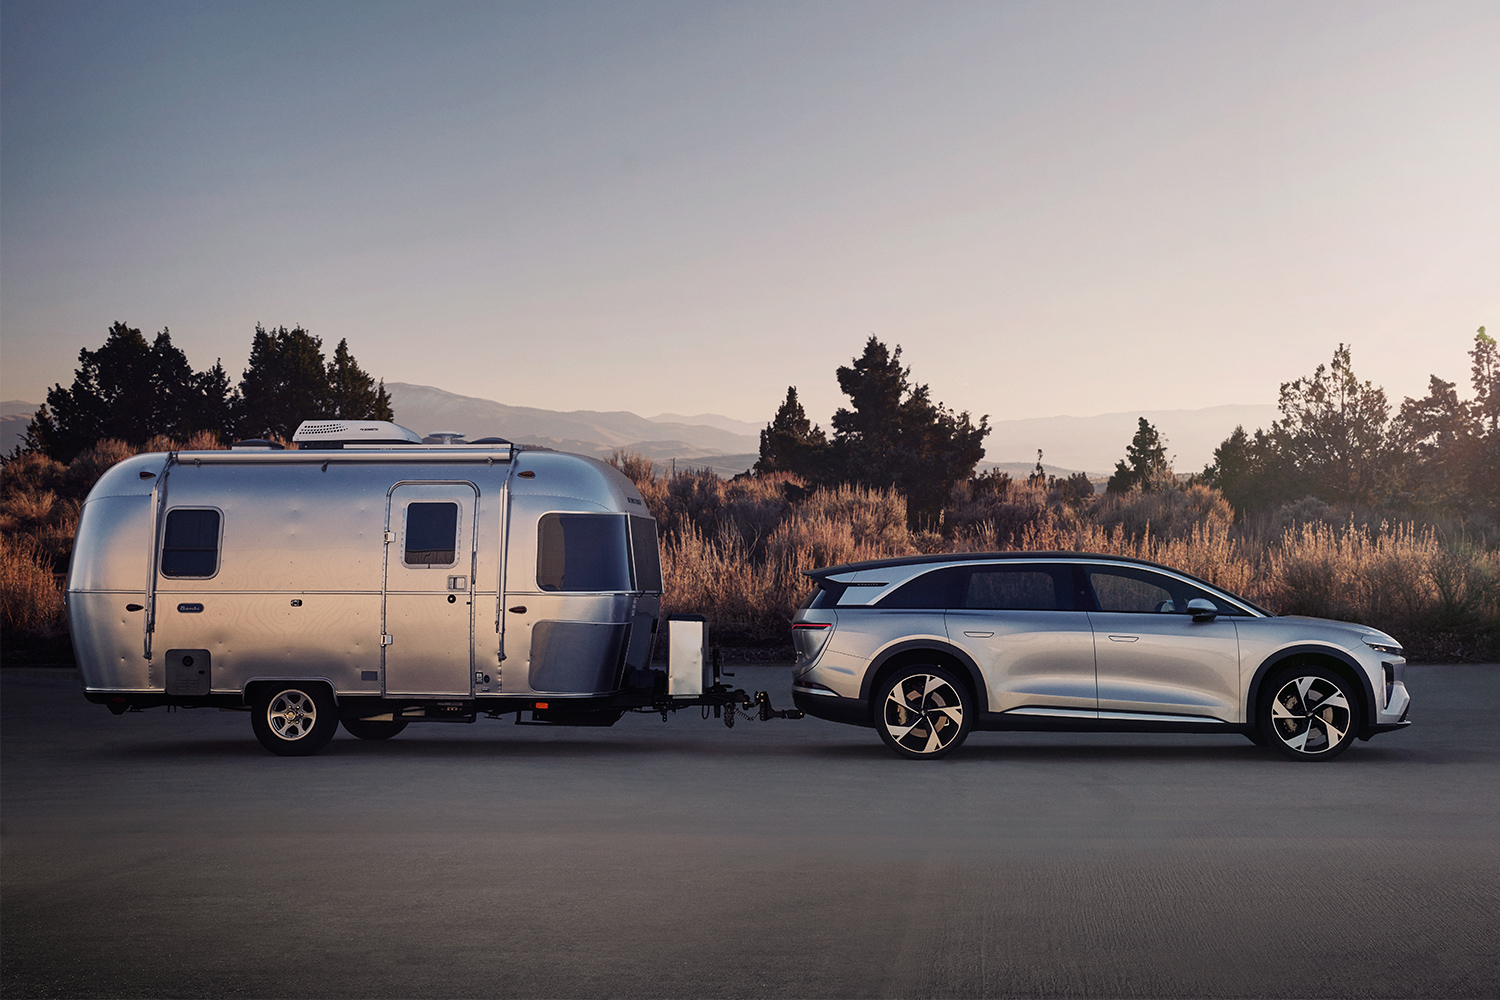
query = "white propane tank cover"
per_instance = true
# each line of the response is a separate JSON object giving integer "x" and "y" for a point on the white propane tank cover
{"x": 354, "y": 432}
{"x": 688, "y": 664}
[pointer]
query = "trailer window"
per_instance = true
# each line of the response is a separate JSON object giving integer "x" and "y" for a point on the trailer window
{"x": 431, "y": 534}
{"x": 586, "y": 553}
{"x": 190, "y": 544}
{"x": 647, "y": 555}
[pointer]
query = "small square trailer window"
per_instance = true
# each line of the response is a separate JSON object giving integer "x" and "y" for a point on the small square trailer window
{"x": 431, "y": 534}
{"x": 190, "y": 544}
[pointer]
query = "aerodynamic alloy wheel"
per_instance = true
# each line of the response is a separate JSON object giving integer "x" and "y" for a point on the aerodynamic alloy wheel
{"x": 1310, "y": 713}
{"x": 294, "y": 720}
{"x": 923, "y": 712}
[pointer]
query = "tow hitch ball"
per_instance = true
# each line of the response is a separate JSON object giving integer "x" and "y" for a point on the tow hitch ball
{"x": 759, "y": 706}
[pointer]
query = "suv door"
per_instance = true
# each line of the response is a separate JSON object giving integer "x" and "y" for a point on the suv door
{"x": 1017, "y": 620}
{"x": 1153, "y": 659}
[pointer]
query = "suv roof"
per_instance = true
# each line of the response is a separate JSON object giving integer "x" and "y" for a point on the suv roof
{"x": 963, "y": 557}
{"x": 947, "y": 557}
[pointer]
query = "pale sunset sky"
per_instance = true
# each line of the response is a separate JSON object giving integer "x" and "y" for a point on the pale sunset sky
{"x": 1055, "y": 208}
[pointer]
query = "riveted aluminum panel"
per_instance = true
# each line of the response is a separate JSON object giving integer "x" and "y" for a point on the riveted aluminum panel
{"x": 112, "y": 549}
{"x": 268, "y": 635}
{"x": 108, "y": 641}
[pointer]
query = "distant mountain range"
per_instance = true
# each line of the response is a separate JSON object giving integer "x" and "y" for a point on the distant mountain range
{"x": 728, "y": 446}
{"x": 15, "y": 417}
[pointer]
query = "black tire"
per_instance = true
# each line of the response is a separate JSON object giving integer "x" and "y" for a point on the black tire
{"x": 923, "y": 712}
{"x": 1309, "y": 713}
{"x": 371, "y": 729}
{"x": 294, "y": 718}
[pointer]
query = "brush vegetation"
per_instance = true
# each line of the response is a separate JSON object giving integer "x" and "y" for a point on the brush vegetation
{"x": 737, "y": 550}
{"x": 1341, "y": 510}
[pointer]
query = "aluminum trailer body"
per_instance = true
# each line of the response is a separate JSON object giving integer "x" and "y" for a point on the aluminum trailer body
{"x": 381, "y": 583}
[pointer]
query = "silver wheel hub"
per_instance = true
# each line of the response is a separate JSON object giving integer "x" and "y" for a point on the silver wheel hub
{"x": 923, "y": 713}
{"x": 1310, "y": 714}
{"x": 292, "y": 715}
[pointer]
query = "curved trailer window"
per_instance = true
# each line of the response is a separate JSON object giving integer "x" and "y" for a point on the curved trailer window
{"x": 583, "y": 553}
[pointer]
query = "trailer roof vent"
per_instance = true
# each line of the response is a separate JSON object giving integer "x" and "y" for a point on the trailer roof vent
{"x": 445, "y": 437}
{"x": 337, "y": 433}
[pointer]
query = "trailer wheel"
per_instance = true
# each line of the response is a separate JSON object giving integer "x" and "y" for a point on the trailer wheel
{"x": 367, "y": 729}
{"x": 294, "y": 719}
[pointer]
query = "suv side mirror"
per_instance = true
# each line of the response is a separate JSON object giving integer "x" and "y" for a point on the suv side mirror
{"x": 1202, "y": 609}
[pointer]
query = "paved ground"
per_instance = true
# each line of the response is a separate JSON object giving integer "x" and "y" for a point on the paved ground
{"x": 168, "y": 855}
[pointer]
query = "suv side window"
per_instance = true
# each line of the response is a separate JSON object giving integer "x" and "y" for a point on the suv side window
{"x": 1140, "y": 591}
{"x": 1020, "y": 588}
{"x": 936, "y": 590}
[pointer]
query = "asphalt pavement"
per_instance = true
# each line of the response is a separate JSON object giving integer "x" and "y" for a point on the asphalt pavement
{"x": 166, "y": 854}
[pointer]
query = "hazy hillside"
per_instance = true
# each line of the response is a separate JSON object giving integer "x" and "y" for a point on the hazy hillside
{"x": 726, "y": 445}
{"x": 14, "y": 416}
{"x": 426, "y": 409}
{"x": 1094, "y": 444}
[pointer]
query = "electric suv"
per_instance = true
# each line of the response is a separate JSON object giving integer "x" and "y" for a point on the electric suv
{"x": 926, "y": 649}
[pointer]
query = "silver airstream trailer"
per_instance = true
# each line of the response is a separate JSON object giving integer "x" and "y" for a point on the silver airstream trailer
{"x": 371, "y": 579}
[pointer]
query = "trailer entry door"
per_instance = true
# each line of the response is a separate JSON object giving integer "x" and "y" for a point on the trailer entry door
{"x": 429, "y": 588}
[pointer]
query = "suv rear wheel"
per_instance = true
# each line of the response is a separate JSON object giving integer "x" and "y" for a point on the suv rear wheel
{"x": 923, "y": 712}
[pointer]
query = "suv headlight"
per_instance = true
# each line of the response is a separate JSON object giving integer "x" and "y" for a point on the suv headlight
{"x": 1383, "y": 647}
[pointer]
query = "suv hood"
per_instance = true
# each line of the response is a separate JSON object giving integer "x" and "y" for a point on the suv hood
{"x": 1357, "y": 631}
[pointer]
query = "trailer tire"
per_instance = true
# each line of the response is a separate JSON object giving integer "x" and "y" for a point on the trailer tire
{"x": 294, "y": 718}
{"x": 369, "y": 729}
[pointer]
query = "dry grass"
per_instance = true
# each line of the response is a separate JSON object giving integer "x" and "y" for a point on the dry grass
{"x": 31, "y": 598}
{"x": 40, "y": 500}
{"x": 737, "y": 550}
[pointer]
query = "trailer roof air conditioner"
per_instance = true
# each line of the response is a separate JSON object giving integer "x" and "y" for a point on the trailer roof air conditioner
{"x": 334, "y": 433}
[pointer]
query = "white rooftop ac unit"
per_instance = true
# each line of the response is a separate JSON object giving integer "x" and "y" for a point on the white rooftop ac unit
{"x": 312, "y": 433}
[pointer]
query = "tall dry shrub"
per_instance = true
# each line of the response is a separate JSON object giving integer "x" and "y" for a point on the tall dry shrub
{"x": 1168, "y": 513}
{"x": 31, "y": 597}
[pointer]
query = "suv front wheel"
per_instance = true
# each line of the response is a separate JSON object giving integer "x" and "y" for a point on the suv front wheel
{"x": 1309, "y": 713}
{"x": 923, "y": 712}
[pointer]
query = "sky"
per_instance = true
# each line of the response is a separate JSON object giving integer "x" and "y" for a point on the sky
{"x": 1053, "y": 208}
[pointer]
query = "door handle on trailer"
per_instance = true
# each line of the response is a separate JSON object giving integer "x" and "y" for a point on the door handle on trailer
{"x": 979, "y": 635}
{"x": 135, "y": 607}
{"x": 519, "y": 609}
{"x": 1123, "y": 638}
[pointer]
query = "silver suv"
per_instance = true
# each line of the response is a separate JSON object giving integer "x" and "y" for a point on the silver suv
{"x": 924, "y": 649}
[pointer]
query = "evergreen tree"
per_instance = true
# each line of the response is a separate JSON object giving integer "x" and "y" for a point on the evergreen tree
{"x": 792, "y": 443}
{"x": 288, "y": 381}
{"x": 895, "y": 436}
{"x": 285, "y": 383}
{"x": 127, "y": 389}
{"x": 1486, "y": 381}
{"x": 1333, "y": 430}
{"x": 1148, "y": 467}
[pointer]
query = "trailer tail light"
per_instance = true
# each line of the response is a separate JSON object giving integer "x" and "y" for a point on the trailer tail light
{"x": 542, "y": 704}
